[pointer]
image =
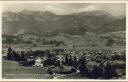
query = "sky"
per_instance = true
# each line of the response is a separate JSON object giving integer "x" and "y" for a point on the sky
{"x": 115, "y": 9}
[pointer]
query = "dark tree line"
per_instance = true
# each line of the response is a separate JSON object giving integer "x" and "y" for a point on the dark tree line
{"x": 71, "y": 61}
{"x": 12, "y": 55}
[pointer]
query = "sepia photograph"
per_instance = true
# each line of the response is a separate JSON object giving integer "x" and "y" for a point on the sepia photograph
{"x": 64, "y": 41}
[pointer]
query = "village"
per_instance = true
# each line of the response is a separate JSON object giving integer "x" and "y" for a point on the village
{"x": 92, "y": 64}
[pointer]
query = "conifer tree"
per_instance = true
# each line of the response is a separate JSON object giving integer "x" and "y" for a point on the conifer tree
{"x": 75, "y": 63}
{"x": 82, "y": 65}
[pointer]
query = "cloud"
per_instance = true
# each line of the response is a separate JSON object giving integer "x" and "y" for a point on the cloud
{"x": 53, "y": 8}
{"x": 91, "y": 8}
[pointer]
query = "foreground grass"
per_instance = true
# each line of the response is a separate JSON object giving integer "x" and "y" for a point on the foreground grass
{"x": 11, "y": 70}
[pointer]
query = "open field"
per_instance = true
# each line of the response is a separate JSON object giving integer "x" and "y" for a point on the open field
{"x": 12, "y": 67}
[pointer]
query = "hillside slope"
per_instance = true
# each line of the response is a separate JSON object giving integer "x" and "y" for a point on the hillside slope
{"x": 47, "y": 23}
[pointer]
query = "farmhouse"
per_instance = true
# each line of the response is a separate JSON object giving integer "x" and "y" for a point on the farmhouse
{"x": 39, "y": 62}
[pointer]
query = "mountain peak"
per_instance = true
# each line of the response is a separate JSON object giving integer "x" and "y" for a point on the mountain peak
{"x": 95, "y": 12}
{"x": 26, "y": 11}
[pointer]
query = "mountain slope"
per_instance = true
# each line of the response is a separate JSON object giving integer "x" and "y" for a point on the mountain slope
{"x": 47, "y": 23}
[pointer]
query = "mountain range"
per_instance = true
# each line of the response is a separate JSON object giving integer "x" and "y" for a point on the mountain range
{"x": 47, "y": 23}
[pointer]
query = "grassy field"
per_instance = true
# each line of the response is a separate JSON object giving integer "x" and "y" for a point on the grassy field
{"x": 11, "y": 70}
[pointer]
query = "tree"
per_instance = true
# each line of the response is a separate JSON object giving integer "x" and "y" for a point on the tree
{"x": 22, "y": 58}
{"x": 100, "y": 70}
{"x": 82, "y": 65}
{"x": 75, "y": 63}
{"x": 66, "y": 59}
{"x": 109, "y": 71}
{"x": 9, "y": 50}
{"x": 57, "y": 63}
{"x": 9, "y": 56}
{"x": 110, "y": 42}
{"x": 94, "y": 73}
{"x": 9, "y": 53}
{"x": 70, "y": 61}
{"x": 17, "y": 57}
{"x": 13, "y": 55}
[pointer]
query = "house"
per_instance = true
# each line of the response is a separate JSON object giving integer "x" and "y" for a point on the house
{"x": 39, "y": 62}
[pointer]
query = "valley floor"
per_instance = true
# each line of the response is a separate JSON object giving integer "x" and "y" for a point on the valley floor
{"x": 12, "y": 70}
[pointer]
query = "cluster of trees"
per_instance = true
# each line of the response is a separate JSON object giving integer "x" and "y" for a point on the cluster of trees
{"x": 71, "y": 61}
{"x": 107, "y": 72}
{"x": 12, "y": 55}
{"x": 104, "y": 70}
{"x": 51, "y": 61}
